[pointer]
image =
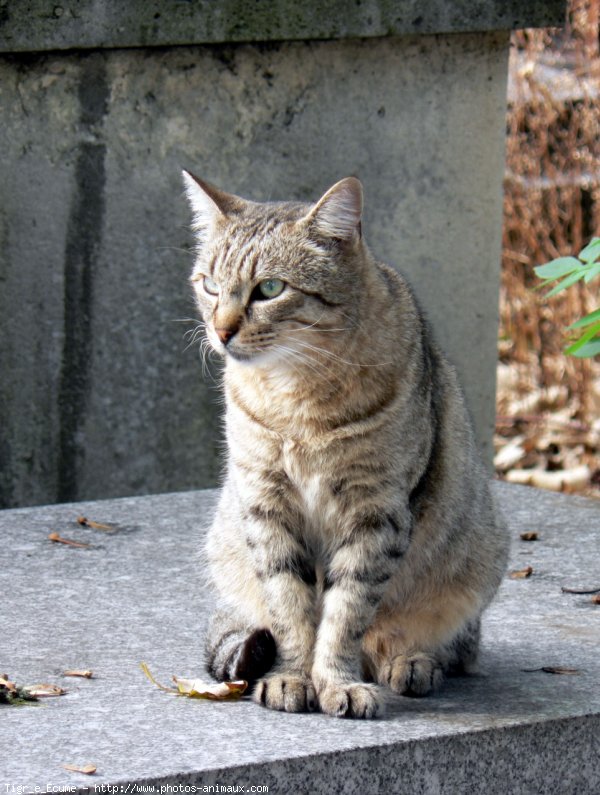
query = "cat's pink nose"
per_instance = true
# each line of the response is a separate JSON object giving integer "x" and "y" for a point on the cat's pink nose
{"x": 225, "y": 334}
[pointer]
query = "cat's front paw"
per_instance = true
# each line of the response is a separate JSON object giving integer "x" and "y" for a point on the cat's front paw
{"x": 288, "y": 692}
{"x": 351, "y": 700}
{"x": 414, "y": 675}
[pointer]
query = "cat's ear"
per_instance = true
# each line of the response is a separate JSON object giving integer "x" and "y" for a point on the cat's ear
{"x": 338, "y": 212}
{"x": 207, "y": 202}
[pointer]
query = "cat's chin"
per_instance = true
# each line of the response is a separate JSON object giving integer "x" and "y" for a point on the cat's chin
{"x": 260, "y": 359}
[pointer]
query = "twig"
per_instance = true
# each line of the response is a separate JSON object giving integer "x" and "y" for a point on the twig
{"x": 83, "y": 520}
{"x": 538, "y": 419}
{"x": 60, "y": 540}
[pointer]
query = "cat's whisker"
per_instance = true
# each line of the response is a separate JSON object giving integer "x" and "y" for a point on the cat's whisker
{"x": 316, "y": 367}
{"x": 336, "y": 358}
{"x": 315, "y": 324}
{"x": 194, "y": 332}
{"x": 176, "y": 248}
{"x": 194, "y": 335}
{"x": 207, "y": 353}
{"x": 321, "y": 328}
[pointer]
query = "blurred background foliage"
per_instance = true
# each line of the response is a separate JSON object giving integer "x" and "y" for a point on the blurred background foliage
{"x": 548, "y": 406}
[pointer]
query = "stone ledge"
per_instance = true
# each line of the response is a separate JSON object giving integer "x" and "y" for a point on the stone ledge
{"x": 77, "y": 24}
{"x": 138, "y": 594}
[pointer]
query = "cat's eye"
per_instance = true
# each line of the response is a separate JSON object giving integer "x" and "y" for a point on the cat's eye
{"x": 270, "y": 288}
{"x": 210, "y": 285}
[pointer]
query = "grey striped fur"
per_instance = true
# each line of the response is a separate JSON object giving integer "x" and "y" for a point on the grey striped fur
{"x": 355, "y": 525}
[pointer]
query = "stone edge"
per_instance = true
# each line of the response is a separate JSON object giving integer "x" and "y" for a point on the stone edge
{"x": 37, "y": 25}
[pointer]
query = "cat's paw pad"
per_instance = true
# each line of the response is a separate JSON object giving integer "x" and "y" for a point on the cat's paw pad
{"x": 286, "y": 692}
{"x": 414, "y": 675}
{"x": 355, "y": 700}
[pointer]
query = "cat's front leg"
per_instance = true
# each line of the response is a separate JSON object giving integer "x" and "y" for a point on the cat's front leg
{"x": 285, "y": 569}
{"x": 367, "y": 555}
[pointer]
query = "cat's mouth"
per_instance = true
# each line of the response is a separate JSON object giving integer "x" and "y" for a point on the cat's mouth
{"x": 241, "y": 357}
{"x": 243, "y": 354}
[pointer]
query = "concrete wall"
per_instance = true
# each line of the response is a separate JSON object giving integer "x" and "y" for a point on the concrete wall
{"x": 98, "y": 396}
{"x": 30, "y": 25}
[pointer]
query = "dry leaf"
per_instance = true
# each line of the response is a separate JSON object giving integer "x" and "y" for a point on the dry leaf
{"x": 4, "y": 682}
{"x": 15, "y": 694}
{"x": 216, "y": 691}
{"x": 43, "y": 691}
{"x": 529, "y": 536}
{"x": 87, "y": 769}
{"x": 195, "y": 688}
{"x": 83, "y": 520}
{"x": 60, "y": 540}
{"x": 12, "y": 694}
{"x": 521, "y": 574}
{"x": 146, "y": 670}
{"x": 596, "y": 599}
{"x": 85, "y": 674}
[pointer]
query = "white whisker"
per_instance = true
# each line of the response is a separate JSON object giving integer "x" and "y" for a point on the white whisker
{"x": 336, "y": 358}
{"x": 318, "y": 368}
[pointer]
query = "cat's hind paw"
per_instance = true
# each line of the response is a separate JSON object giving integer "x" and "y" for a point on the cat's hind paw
{"x": 286, "y": 692}
{"x": 412, "y": 675}
{"x": 354, "y": 700}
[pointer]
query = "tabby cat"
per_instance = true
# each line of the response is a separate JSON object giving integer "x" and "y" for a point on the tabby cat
{"x": 355, "y": 543}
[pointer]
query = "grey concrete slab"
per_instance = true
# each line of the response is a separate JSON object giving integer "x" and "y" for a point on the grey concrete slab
{"x": 139, "y": 594}
{"x": 39, "y": 25}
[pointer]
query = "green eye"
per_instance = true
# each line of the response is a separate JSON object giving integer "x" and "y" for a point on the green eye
{"x": 271, "y": 288}
{"x": 211, "y": 287}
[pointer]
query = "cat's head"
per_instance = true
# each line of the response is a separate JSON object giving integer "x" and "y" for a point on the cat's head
{"x": 277, "y": 282}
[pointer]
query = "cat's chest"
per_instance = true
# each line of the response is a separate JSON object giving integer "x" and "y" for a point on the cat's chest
{"x": 308, "y": 475}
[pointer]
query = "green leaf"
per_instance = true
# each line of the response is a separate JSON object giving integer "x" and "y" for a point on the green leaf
{"x": 591, "y": 348}
{"x": 589, "y": 335}
{"x": 585, "y": 321}
{"x": 566, "y": 282}
{"x": 591, "y": 272}
{"x": 557, "y": 268}
{"x": 591, "y": 251}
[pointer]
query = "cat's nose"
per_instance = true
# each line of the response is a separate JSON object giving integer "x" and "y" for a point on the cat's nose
{"x": 226, "y": 333}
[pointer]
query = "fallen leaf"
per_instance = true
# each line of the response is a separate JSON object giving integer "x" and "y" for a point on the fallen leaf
{"x": 553, "y": 669}
{"x": 44, "y": 691}
{"x": 83, "y": 520}
{"x": 521, "y": 574}
{"x": 529, "y": 536}
{"x": 85, "y": 674}
{"x": 596, "y": 599}
{"x": 216, "y": 691}
{"x": 12, "y": 694}
{"x": 4, "y": 682}
{"x": 60, "y": 540}
{"x": 146, "y": 670}
{"x": 195, "y": 688}
{"x": 87, "y": 769}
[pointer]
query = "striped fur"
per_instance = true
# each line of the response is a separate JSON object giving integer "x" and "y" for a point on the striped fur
{"x": 355, "y": 525}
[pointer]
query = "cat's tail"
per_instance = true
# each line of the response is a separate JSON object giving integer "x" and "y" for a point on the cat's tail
{"x": 235, "y": 651}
